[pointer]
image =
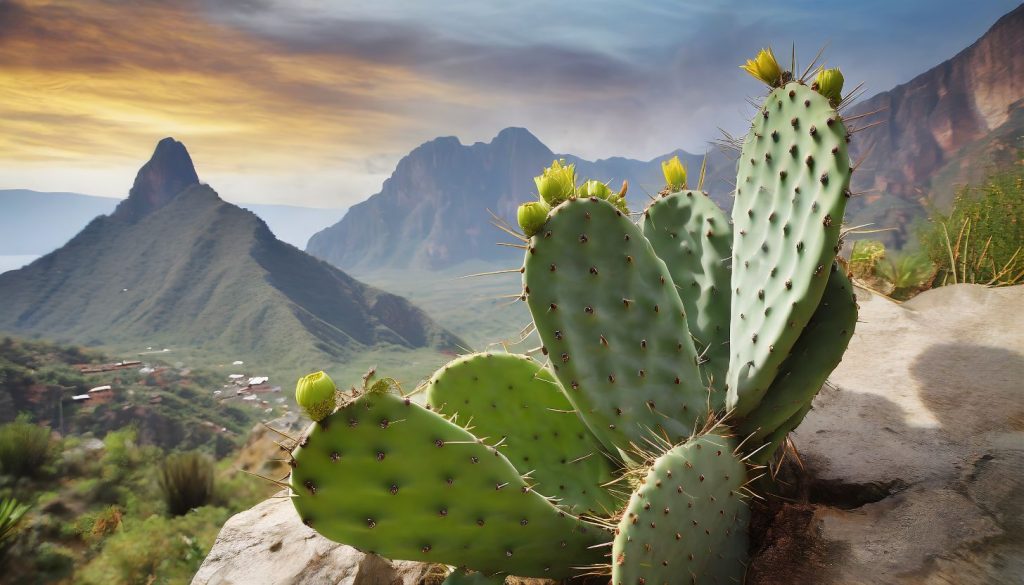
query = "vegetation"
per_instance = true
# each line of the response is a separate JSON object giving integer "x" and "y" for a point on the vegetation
{"x": 980, "y": 241}
{"x": 25, "y": 448}
{"x": 11, "y": 513}
{"x": 186, "y": 481}
{"x": 136, "y": 488}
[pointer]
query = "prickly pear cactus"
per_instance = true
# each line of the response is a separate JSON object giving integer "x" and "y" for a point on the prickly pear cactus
{"x": 613, "y": 326}
{"x": 387, "y": 476}
{"x": 463, "y": 577}
{"x": 694, "y": 238}
{"x": 514, "y": 400}
{"x": 791, "y": 191}
{"x": 687, "y": 520}
{"x": 816, "y": 353}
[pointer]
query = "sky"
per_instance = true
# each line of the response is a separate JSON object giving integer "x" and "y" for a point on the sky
{"x": 313, "y": 103}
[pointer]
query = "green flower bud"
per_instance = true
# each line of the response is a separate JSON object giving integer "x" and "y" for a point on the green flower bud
{"x": 557, "y": 183}
{"x": 675, "y": 173}
{"x": 532, "y": 216}
{"x": 829, "y": 83}
{"x": 765, "y": 67}
{"x": 315, "y": 394}
{"x": 594, "y": 188}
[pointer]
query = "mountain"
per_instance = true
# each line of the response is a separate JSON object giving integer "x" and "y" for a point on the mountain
{"x": 65, "y": 214}
{"x": 950, "y": 126}
{"x": 174, "y": 265}
{"x": 433, "y": 210}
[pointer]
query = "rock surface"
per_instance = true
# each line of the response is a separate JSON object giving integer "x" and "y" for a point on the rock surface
{"x": 914, "y": 458}
{"x": 269, "y": 545}
{"x": 912, "y": 474}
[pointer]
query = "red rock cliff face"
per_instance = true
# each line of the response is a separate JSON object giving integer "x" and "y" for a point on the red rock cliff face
{"x": 930, "y": 120}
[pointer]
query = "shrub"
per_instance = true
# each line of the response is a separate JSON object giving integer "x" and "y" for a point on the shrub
{"x": 906, "y": 275}
{"x": 864, "y": 258}
{"x": 11, "y": 513}
{"x": 186, "y": 480}
{"x": 981, "y": 240}
{"x": 25, "y": 448}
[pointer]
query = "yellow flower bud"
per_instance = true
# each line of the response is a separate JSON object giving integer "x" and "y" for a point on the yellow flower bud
{"x": 532, "y": 216}
{"x": 315, "y": 394}
{"x": 765, "y": 67}
{"x": 675, "y": 173}
{"x": 829, "y": 83}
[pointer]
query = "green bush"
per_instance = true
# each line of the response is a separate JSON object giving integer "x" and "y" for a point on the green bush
{"x": 186, "y": 480}
{"x": 156, "y": 550}
{"x": 906, "y": 275}
{"x": 25, "y": 448}
{"x": 864, "y": 258}
{"x": 11, "y": 513}
{"x": 981, "y": 239}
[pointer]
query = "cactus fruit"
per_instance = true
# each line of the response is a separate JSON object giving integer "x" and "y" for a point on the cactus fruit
{"x": 687, "y": 520}
{"x": 315, "y": 395}
{"x": 386, "y": 475}
{"x": 613, "y": 326}
{"x": 514, "y": 400}
{"x": 694, "y": 238}
{"x": 816, "y": 353}
{"x": 791, "y": 192}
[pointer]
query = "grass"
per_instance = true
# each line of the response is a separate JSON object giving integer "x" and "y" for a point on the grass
{"x": 186, "y": 481}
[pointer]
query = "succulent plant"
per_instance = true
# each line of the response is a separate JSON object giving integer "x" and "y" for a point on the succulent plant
{"x": 679, "y": 352}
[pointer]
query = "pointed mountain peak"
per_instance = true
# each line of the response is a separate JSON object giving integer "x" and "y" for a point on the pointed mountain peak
{"x": 168, "y": 172}
{"x": 515, "y": 135}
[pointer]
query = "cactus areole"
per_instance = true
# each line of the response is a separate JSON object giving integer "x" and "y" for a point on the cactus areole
{"x": 677, "y": 348}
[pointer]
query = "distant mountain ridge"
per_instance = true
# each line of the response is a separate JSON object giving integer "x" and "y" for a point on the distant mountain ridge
{"x": 186, "y": 268}
{"x": 433, "y": 210}
{"x": 952, "y": 125}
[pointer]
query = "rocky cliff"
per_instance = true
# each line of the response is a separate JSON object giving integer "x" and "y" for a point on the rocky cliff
{"x": 949, "y": 126}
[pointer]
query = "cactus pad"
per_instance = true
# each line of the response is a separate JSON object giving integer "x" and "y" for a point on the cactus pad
{"x": 694, "y": 238}
{"x": 462, "y": 577}
{"x": 687, "y": 521}
{"x": 388, "y": 476}
{"x": 613, "y": 326}
{"x": 514, "y": 399}
{"x": 816, "y": 353}
{"x": 791, "y": 192}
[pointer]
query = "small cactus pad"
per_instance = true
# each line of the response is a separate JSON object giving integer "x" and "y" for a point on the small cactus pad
{"x": 613, "y": 326}
{"x": 772, "y": 442}
{"x": 687, "y": 521}
{"x": 816, "y": 353}
{"x": 791, "y": 192}
{"x": 694, "y": 238}
{"x": 514, "y": 399}
{"x": 387, "y": 476}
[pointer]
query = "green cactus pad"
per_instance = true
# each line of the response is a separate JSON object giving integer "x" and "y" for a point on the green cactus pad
{"x": 512, "y": 397}
{"x": 694, "y": 238}
{"x": 613, "y": 326}
{"x": 687, "y": 521}
{"x": 816, "y": 353}
{"x": 387, "y": 476}
{"x": 791, "y": 192}
{"x": 772, "y": 442}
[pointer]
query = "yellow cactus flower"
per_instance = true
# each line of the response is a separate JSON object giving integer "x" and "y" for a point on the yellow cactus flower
{"x": 829, "y": 83}
{"x": 675, "y": 173}
{"x": 765, "y": 67}
{"x": 594, "y": 188}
